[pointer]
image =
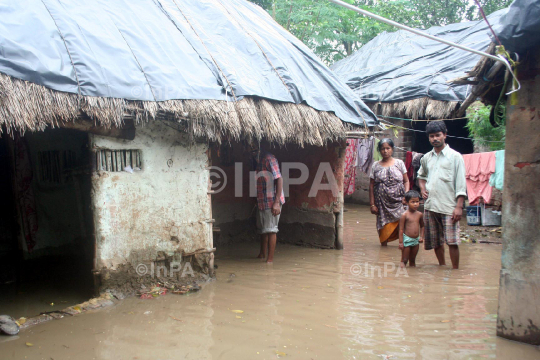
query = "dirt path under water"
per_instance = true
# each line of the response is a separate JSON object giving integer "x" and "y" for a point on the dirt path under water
{"x": 308, "y": 305}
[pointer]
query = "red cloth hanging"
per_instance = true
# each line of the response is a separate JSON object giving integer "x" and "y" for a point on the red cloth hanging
{"x": 409, "y": 167}
{"x": 478, "y": 170}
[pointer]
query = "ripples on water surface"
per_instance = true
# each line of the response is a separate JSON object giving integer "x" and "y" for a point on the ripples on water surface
{"x": 308, "y": 305}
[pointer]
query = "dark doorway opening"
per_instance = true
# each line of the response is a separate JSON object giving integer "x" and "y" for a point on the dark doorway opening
{"x": 47, "y": 239}
{"x": 455, "y": 128}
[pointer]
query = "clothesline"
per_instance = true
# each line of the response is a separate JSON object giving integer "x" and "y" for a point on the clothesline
{"x": 455, "y": 137}
{"x": 483, "y": 171}
{"x": 396, "y": 118}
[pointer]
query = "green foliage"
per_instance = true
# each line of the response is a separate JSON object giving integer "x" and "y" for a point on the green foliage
{"x": 444, "y": 12}
{"x": 481, "y": 129}
{"x": 331, "y": 31}
{"x": 334, "y": 32}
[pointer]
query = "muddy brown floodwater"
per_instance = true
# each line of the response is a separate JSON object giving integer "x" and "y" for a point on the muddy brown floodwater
{"x": 311, "y": 304}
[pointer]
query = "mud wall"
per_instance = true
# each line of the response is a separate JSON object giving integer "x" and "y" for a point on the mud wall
{"x": 311, "y": 220}
{"x": 519, "y": 313}
{"x": 305, "y": 220}
{"x": 58, "y": 188}
{"x": 158, "y": 211}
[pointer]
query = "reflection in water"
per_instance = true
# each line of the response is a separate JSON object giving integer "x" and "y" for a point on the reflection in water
{"x": 310, "y": 304}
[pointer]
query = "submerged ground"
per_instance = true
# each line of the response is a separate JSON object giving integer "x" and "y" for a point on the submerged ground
{"x": 311, "y": 304}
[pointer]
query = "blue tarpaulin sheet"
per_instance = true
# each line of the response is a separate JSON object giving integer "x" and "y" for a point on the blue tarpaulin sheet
{"x": 158, "y": 50}
{"x": 401, "y": 66}
{"x": 520, "y": 27}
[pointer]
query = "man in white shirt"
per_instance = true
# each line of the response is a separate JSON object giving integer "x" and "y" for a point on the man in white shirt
{"x": 442, "y": 182}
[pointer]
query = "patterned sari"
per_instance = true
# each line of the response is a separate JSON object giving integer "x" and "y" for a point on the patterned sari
{"x": 388, "y": 195}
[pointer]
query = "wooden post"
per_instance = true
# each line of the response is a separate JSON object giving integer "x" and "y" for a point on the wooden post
{"x": 340, "y": 201}
{"x": 339, "y": 224}
{"x": 210, "y": 223}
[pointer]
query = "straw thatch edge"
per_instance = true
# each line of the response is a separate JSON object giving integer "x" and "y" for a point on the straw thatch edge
{"x": 473, "y": 76}
{"x": 25, "y": 106}
{"x": 421, "y": 108}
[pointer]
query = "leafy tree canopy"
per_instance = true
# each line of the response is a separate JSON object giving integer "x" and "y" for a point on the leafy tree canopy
{"x": 334, "y": 32}
{"x": 487, "y": 136}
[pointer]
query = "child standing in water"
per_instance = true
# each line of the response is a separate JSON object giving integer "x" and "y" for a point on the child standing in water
{"x": 411, "y": 229}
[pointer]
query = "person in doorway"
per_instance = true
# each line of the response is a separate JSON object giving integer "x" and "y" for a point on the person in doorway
{"x": 442, "y": 182}
{"x": 269, "y": 203}
{"x": 388, "y": 184}
{"x": 411, "y": 229}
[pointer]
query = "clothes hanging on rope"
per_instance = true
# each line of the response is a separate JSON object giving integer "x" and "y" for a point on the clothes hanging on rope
{"x": 25, "y": 192}
{"x": 497, "y": 178}
{"x": 416, "y": 166}
{"x": 365, "y": 154}
{"x": 408, "y": 165}
{"x": 478, "y": 170}
{"x": 416, "y": 161}
{"x": 386, "y": 122}
{"x": 350, "y": 166}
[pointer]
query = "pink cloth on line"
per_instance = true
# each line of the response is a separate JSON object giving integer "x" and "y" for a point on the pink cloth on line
{"x": 350, "y": 166}
{"x": 478, "y": 170}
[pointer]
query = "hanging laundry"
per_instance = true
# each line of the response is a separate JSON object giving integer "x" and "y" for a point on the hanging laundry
{"x": 350, "y": 166}
{"x": 25, "y": 192}
{"x": 478, "y": 170}
{"x": 416, "y": 161}
{"x": 497, "y": 178}
{"x": 416, "y": 157}
{"x": 408, "y": 165}
{"x": 376, "y": 154}
{"x": 365, "y": 154}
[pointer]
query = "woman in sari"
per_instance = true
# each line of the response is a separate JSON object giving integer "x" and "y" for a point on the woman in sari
{"x": 387, "y": 187}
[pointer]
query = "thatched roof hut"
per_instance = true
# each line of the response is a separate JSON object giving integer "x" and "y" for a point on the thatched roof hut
{"x": 405, "y": 75}
{"x": 165, "y": 92}
{"x": 221, "y": 69}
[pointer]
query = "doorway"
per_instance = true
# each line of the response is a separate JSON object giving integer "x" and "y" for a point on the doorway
{"x": 47, "y": 240}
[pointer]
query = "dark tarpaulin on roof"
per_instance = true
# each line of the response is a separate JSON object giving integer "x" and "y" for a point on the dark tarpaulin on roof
{"x": 520, "y": 27}
{"x": 401, "y": 66}
{"x": 158, "y": 50}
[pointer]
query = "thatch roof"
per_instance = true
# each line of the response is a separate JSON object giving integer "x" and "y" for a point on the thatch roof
{"x": 25, "y": 106}
{"x": 421, "y": 108}
{"x": 482, "y": 78}
{"x": 223, "y": 68}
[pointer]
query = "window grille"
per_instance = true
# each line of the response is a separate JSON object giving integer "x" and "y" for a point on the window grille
{"x": 55, "y": 165}
{"x": 118, "y": 160}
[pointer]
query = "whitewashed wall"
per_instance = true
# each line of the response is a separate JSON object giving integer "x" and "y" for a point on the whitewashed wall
{"x": 162, "y": 208}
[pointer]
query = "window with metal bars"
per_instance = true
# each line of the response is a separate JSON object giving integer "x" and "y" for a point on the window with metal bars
{"x": 118, "y": 160}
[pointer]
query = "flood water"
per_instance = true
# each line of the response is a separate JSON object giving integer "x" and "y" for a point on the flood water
{"x": 310, "y": 304}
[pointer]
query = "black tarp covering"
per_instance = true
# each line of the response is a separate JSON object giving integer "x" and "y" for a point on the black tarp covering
{"x": 520, "y": 27}
{"x": 159, "y": 50}
{"x": 400, "y": 66}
